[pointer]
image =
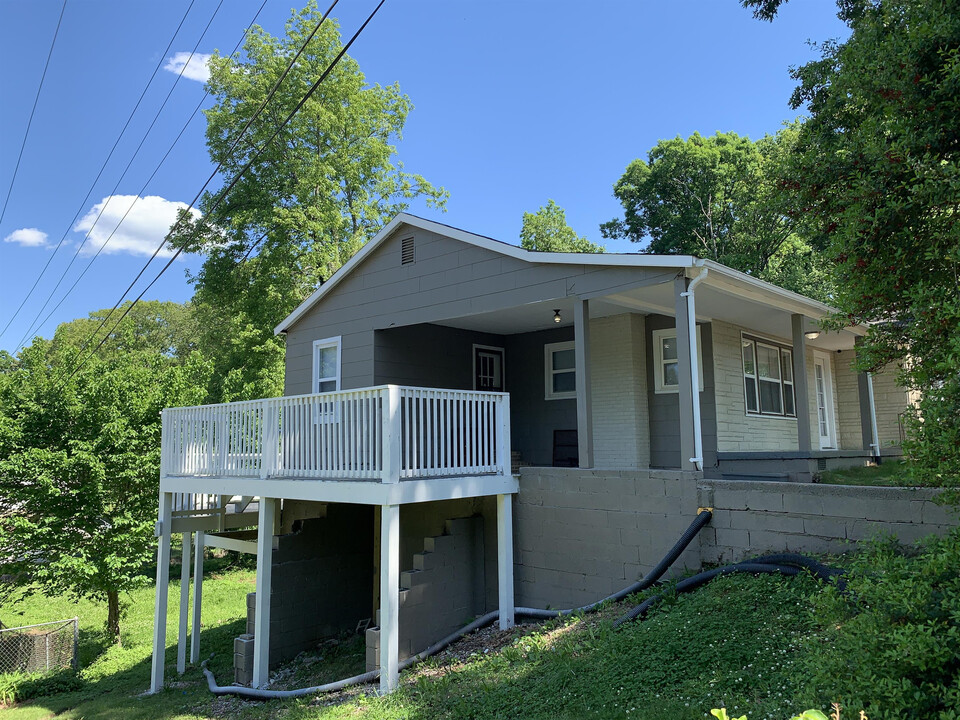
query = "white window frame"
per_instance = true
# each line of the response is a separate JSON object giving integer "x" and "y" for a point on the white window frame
{"x": 548, "y": 372}
{"x": 831, "y": 435}
{"x": 503, "y": 363}
{"x": 781, "y": 347}
{"x": 319, "y": 345}
{"x": 658, "y": 337}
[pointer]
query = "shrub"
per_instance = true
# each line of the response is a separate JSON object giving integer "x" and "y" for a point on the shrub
{"x": 890, "y": 644}
{"x": 17, "y": 687}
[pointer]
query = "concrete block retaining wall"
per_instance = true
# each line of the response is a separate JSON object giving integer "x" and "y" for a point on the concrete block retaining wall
{"x": 580, "y": 535}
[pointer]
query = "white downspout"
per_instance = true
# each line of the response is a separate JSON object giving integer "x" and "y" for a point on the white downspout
{"x": 873, "y": 418}
{"x": 697, "y": 459}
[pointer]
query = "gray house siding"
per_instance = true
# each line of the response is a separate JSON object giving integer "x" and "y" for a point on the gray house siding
{"x": 665, "y": 407}
{"x": 449, "y": 279}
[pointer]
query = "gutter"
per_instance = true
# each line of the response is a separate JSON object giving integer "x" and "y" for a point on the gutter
{"x": 697, "y": 458}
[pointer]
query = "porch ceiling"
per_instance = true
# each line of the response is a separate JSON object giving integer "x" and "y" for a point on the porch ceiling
{"x": 715, "y": 300}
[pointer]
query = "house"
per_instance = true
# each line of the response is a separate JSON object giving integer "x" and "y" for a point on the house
{"x": 439, "y": 375}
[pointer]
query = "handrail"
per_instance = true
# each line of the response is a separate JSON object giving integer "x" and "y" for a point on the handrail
{"x": 384, "y": 433}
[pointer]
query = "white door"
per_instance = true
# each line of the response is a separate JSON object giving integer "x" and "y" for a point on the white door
{"x": 823, "y": 385}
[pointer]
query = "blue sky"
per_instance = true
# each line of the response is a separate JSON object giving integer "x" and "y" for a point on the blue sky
{"x": 516, "y": 102}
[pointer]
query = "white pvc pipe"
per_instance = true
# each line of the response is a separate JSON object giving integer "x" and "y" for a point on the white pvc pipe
{"x": 697, "y": 459}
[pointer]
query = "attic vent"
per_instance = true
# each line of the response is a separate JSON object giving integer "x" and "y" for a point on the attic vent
{"x": 406, "y": 251}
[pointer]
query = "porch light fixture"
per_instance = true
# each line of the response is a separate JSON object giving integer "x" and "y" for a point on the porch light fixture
{"x": 811, "y": 334}
{"x": 556, "y": 316}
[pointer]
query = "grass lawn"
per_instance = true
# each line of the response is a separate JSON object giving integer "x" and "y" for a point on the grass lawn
{"x": 733, "y": 643}
{"x": 889, "y": 473}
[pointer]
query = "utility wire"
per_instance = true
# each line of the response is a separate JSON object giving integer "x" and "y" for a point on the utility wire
{"x": 223, "y": 193}
{"x": 83, "y": 203}
{"x": 34, "y": 324}
{"x": 32, "y": 111}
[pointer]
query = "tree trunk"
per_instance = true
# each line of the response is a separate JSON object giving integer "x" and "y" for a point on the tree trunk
{"x": 113, "y": 615}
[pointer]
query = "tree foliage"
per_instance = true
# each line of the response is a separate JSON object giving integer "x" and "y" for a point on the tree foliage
{"x": 875, "y": 170}
{"x": 546, "y": 230}
{"x": 79, "y": 460}
{"x": 317, "y": 193}
{"x": 721, "y": 198}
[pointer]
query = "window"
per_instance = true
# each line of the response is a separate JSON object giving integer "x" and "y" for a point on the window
{"x": 560, "y": 371}
{"x": 326, "y": 365}
{"x": 666, "y": 363}
{"x": 767, "y": 378}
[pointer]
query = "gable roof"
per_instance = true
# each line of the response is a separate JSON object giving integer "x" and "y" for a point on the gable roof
{"x": 763, "y": 291}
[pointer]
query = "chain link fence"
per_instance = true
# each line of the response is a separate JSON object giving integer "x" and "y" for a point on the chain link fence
{"x": 45, "y": 647}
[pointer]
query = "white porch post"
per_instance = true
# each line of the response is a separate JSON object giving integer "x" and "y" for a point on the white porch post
{"x": 802, "y": 399}
{"x": 581, "y": 335}
{"x": 200, "y": 541}
{"x": 261, "y": 647}
{"x": 185, "y": 559}
{"x": 687, "y": 394}
{"x": 390, "y": 435}
{"x": 389, "y": 597}
{"x": 505, "y": 559}
{"x": 163, "y": 578}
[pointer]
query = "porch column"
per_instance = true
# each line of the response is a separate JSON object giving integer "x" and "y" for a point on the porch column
{"x": 687, "y": 395}
{"x": 868, "y": 415}
{"x": 581, "y": 335}
{"x": 197, "y": 597}
{"x": 800, "y": 389}
{"x": 505, "y": 559}
{"x": 389, "y": 597}
{"x": 183, "y": 628}
{"x": 261, "y": 627}
{"x": 163, "y": 578}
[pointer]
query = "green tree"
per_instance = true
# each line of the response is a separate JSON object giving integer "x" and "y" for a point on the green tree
{"x": 546, "y": 230}
{"x": 79, "y": 459}
{"x": 319, "y": 191}
{"x": 722, "y": 198}
{"x": 876, "y": 169}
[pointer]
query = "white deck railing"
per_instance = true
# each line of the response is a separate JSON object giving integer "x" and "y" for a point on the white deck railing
{"x": 383, "y": 434}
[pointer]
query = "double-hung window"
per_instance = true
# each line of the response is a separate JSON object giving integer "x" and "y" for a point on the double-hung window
{"x": 666, "y": 362}
{"x": 560, "y": 371}
{"x": 767, "y": 378}
{"x": 326, "y": 365}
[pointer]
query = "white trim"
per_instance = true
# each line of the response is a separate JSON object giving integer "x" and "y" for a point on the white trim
{"x": 780, "y": 346}
{"x": 548, "y": 371}
{"x": 532, "y": 256}
{"x": 831, "y": 435}
{"x": 503, "y": 364}
{"x": 317, "y": 346}
{"x": 658, "y": 387}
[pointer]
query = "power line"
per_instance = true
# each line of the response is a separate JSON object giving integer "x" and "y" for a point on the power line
{"x": 223, "y": 193}
{"x": 83, "y": 203}
{"x": 34, "y": 324}
{"x": 32, "y": 111}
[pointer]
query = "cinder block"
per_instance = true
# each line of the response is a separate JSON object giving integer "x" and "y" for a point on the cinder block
{"x": 775, "y": 522}
{"x": 825, "y": 527}
{"x": 243, "y": 644}
{"x": 765, "y": 540}
{"x": 761, "y": 499}
{"x": 425, "y": 561}
{"x": 805, "y": 503}
{"x": 931, "y": 513}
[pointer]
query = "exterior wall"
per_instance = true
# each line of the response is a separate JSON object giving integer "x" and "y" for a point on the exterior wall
{"x": 449, "y": 279}
{"x": 664, "y": 408}
{"x": 533, "y": 418}
{"x": 848, "y": 402}
{"x": 621, "y": 435}
{"x": 580, "y": 535}
{"x": 736, "y": 431}
{"x": 890, "y": 401}
{"x": 751, "y": 518}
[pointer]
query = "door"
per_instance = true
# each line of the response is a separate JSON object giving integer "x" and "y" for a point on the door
{"x": 823, "y": 385}
{"x": 487, "y": 368}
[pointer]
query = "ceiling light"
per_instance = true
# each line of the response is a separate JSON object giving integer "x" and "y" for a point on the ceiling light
{"x": 811, "y": 334}
{"x": 556, "y": 316}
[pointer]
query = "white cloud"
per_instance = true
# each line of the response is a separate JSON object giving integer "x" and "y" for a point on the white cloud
{"x": 139, "y": 233}
{"x": 28, "y": 237}
{"x": 194, "y": 68}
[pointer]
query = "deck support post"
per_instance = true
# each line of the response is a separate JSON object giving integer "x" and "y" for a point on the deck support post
{"x": 261, "y": 646}
{"x": 164, "y": 516}
{"x": 183, "y": 627}
{"x": 581, "y": 335}
{"x": 505, "y": 559}
{"x": 389, "y": 597}
{"x": 800, "y": 388}
{"x": 200, "y": 542}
